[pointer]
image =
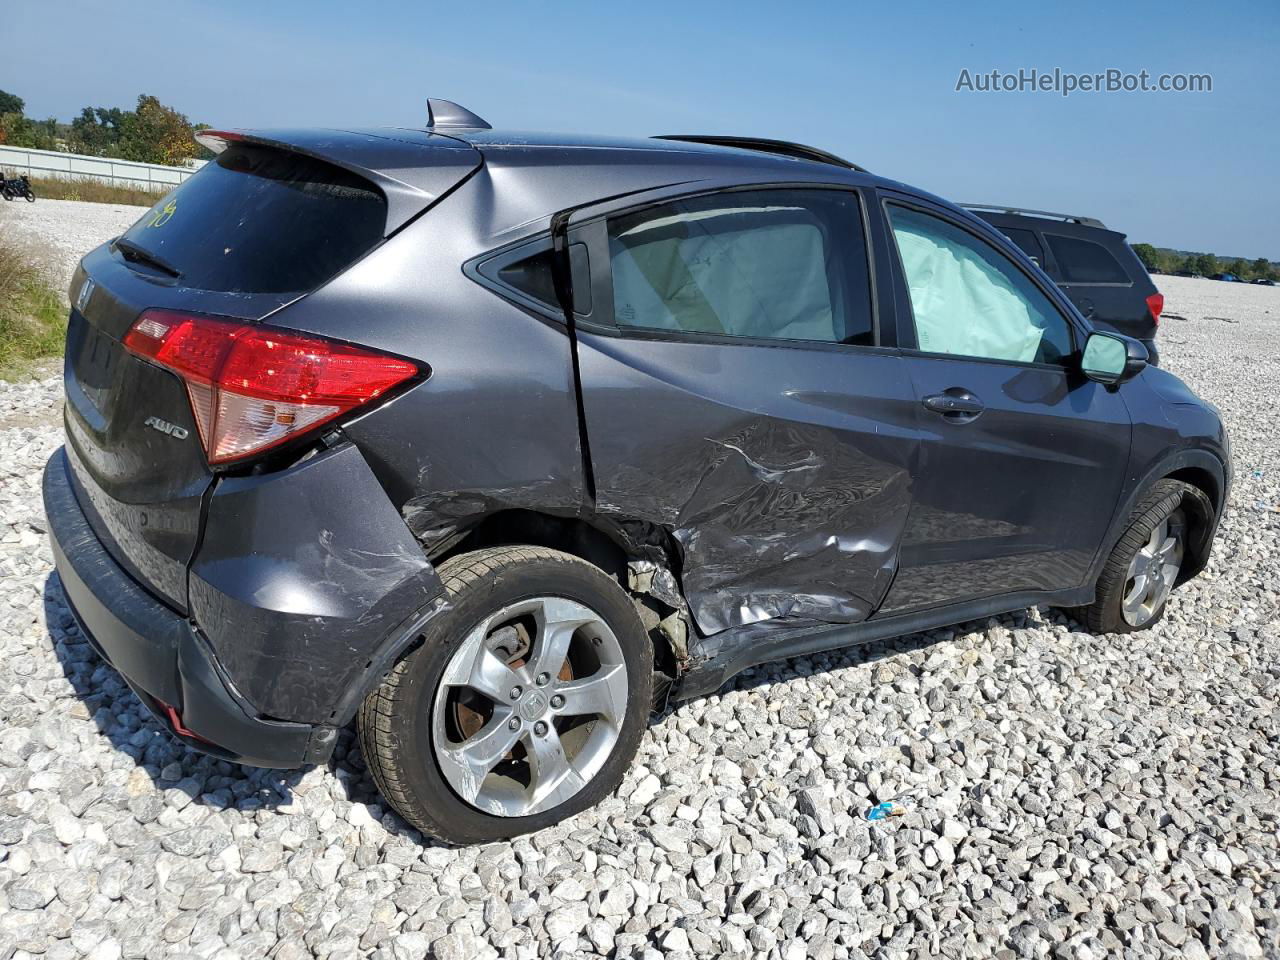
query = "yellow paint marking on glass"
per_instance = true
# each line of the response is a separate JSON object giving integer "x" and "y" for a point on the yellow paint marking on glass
{"x": 164, "y": 214}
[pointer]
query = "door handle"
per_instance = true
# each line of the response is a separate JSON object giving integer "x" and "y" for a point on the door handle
{"x": 957, "y": 405}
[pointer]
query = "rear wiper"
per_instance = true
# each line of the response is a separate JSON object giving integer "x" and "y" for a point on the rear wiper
{"x": 133, "y": 251}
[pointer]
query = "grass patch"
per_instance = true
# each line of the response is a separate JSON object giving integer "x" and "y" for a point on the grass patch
{"x": 92, "y": 191}
{"x": 33, "y": 318}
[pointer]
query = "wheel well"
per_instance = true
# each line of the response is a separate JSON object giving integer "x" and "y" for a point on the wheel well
{"x": 1202, "y": 507}
{"x": 611, "y": 553}
{"x": 527, "y": 527}
{"x": 1202, "y": 480}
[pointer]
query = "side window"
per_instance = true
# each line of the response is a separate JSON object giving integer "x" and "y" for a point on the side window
{"x": 526, "y": 275}
{"x": 531, "y": 276}
{"x": 1083, "y": 261}
{"x": 779, "y": 264}
{"x": 968, "y": 298}
{"x": 1027, "y": 241}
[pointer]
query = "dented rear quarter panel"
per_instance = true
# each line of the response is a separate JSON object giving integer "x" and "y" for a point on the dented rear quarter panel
{"x": 494, "y": 426}
{"x": 302, "y": 576}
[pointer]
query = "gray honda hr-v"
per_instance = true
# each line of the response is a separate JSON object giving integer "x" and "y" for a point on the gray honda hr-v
{"x": 490, "y": 441}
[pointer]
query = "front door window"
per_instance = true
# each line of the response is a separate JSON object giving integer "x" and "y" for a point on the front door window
{"x": 969, "y": 299}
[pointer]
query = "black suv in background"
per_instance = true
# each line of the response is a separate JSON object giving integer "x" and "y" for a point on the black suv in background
{"x": 1094, "y": 266}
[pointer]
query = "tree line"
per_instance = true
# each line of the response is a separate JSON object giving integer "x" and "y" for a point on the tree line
{"x": 151, "y": 132}
{"x": 1164, "y": 260}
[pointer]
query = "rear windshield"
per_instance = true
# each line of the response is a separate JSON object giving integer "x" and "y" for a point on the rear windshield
{"x": 260, "y": 220}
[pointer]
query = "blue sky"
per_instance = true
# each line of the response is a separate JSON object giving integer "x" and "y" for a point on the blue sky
{"x": 872, "y": 82}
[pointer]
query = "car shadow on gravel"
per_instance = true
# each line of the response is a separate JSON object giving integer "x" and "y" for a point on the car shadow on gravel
{"x": 170, "y": 764}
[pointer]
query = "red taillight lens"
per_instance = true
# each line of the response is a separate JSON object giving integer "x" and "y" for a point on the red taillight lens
{"x": 1155, "y": 303}
{"x": 252, "y": 387}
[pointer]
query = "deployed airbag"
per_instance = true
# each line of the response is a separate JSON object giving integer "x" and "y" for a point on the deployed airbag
{"x": 742, "y": 271}
{"x": 962, "y": 303}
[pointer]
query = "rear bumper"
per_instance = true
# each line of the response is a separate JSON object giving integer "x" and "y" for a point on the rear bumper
{"x": 161, "y": 655}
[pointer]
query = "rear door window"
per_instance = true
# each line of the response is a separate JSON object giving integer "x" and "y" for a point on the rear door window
{"x": 772, "y": 264}
{"x": 262, "y": 220}
{"x": 1083, "y": 261}
{"x": 1027, "y": 241}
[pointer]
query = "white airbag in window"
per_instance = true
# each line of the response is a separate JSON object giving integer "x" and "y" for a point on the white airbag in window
{"x": 763, "y": 277}
{"x": 962, "y": 304}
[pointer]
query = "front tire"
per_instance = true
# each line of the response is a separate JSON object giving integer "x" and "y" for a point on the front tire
{"x": 523, "y": 704}
{"x": 1137, "y": 579}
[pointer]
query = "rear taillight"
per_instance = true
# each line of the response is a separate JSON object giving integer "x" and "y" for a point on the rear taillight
{"x": 1155, "y": 303}
{"x": 253, "y": 387}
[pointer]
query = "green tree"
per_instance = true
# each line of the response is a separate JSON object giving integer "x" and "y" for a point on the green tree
{"x": 154, "y": 133}
{"x": 151, "y": 133}
{"x": 1148, "y": 254}
{"x": 10, "y": 126}
{"x": 97, "y": 131}
{"x": 1239, "y": 268}
{"x": 1262, "y": 268}
{"x": 1206, "y": 264}
{"x": 19, "y": 131}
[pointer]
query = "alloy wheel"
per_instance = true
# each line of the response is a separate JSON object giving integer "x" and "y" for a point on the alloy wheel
{"x": 1152, "y": 573}
{"x": 529, "y": 707}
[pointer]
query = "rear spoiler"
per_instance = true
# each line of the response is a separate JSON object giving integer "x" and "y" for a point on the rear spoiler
{"x": 412, "y": 169}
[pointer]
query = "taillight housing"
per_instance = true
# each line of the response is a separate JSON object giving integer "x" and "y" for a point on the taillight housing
{"x": 1155, "y": 303}
{"x": 254, "y": 387}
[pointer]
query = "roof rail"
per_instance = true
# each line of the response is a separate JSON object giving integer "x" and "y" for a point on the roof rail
{"x": 446, "y": 113}
{"x": 783, "y": 148}
{"x": 1068, "y": 217}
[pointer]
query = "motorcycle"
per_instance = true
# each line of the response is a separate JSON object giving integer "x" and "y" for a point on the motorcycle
{"x": 15, "y": 187}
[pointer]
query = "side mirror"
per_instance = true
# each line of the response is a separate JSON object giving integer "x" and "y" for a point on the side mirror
{"x": 1111, "y": 358}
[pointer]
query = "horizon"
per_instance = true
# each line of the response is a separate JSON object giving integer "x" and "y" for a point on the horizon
{"x": 1144, "y": 163}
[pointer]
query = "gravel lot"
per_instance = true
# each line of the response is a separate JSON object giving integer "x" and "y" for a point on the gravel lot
{"x": 1070, "y": 796}
{"x": 63, "y": 231}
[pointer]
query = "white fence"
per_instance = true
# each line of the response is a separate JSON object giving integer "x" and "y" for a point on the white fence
{"x": 74, "y": 166}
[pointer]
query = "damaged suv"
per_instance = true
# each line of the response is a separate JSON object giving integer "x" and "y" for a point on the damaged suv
{"x": 489, "y": 441}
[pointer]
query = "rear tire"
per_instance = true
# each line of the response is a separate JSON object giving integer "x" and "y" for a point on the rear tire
{"x": 464, "y": 736}
{"x": 1134, "y": 586}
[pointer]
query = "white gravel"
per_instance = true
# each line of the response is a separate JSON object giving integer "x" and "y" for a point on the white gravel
{"x": 1070, "y": 796}
{"x": 65, "y": 230}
